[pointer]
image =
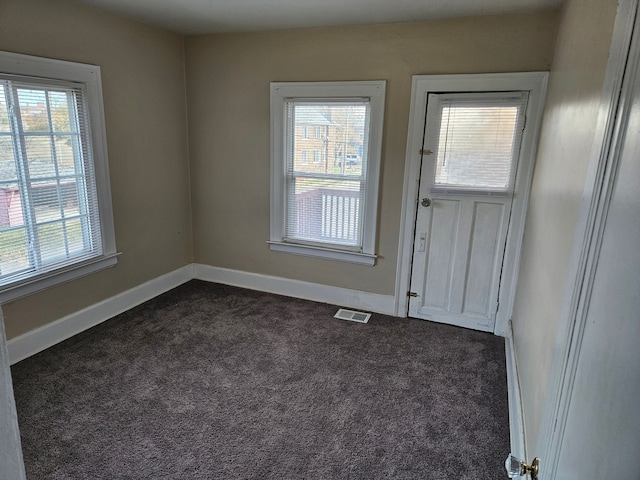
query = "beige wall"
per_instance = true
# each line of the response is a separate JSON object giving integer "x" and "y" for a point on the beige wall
{"x": 144, "y": 99}
{"x": 575, "y": 86}
{"x": 228, "y": 93}
{"x": 228, "y": 78}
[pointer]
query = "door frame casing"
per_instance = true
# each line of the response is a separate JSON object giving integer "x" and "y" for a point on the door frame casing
{"x": 422, "y": 85}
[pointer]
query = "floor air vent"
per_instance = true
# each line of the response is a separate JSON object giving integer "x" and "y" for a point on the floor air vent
{"x": 352, "y": 315}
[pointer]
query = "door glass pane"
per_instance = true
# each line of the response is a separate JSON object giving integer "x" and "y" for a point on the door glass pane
{"x": 477, "y": 143}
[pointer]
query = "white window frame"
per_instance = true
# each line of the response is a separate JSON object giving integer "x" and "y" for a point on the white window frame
{"x": 374, "y": 91}
{"x": 89, "y": 76}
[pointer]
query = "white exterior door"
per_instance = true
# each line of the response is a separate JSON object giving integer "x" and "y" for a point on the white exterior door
{"x": 469, "y": 164}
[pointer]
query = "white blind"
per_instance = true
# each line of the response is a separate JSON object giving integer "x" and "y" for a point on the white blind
{"x": 325, "y": 173}
{"x": 478, "y": 142}
{"x": 48, "y": 203}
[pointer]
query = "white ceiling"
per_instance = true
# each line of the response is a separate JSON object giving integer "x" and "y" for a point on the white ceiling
{"x": 212, "y": 16}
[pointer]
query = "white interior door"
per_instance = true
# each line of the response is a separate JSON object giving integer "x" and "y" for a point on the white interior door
{"x": 470, "y": 157}
{"x": 601, "y": 438}
{"x": 593, "y": 426}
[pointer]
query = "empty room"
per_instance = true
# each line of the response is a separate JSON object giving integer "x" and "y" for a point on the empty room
{"x": 323, "y": 240}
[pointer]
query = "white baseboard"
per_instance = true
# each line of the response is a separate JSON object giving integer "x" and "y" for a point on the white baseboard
{"x": 48, "y": 335}
{"x": 343, "y": 297}
{"x": 516, "y": 419}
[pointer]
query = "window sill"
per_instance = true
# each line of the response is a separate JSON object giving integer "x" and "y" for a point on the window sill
{"x": 321, "y": 252}
{"x": 56, "y": 277}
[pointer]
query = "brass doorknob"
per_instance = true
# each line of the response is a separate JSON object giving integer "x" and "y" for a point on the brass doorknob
{"x": 518, "y": 468}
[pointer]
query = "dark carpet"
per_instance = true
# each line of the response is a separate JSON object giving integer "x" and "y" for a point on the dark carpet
{"x": 212, "y": 382}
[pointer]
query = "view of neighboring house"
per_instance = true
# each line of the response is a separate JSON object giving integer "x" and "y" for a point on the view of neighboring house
{"x": 328, "y": 170}
{"x": 325, "y": 133}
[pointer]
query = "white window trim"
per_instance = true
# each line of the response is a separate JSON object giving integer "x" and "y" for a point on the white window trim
{"x": 89, "y": 75}
{"x": 280, "y": 92}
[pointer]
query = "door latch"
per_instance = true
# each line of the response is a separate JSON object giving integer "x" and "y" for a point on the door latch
{"x": 426, "y": 202}
{"x": 517, "y": 468}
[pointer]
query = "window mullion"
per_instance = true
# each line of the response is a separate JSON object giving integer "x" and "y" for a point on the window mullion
{"x": 28, "y": 208}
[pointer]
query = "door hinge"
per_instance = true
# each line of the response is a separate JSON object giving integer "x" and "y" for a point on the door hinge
{"x": 412, "y": 294}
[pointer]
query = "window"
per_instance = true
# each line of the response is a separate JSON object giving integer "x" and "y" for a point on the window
{"x": 317, "y": 132}
{"x": 327, "y": 208}
{"x": 55, "y": 205}
{"x": 479, "y": 138}
{"x": 305, "y": 155}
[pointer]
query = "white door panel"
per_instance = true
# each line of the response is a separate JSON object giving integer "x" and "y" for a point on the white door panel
{"x": 489, "y": 230}
{"x": 437, "y": 285}
{"x": 462, "y": 258}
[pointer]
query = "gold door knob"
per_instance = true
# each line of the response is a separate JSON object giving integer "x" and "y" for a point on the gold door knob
{"x": 517, "y": 468}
